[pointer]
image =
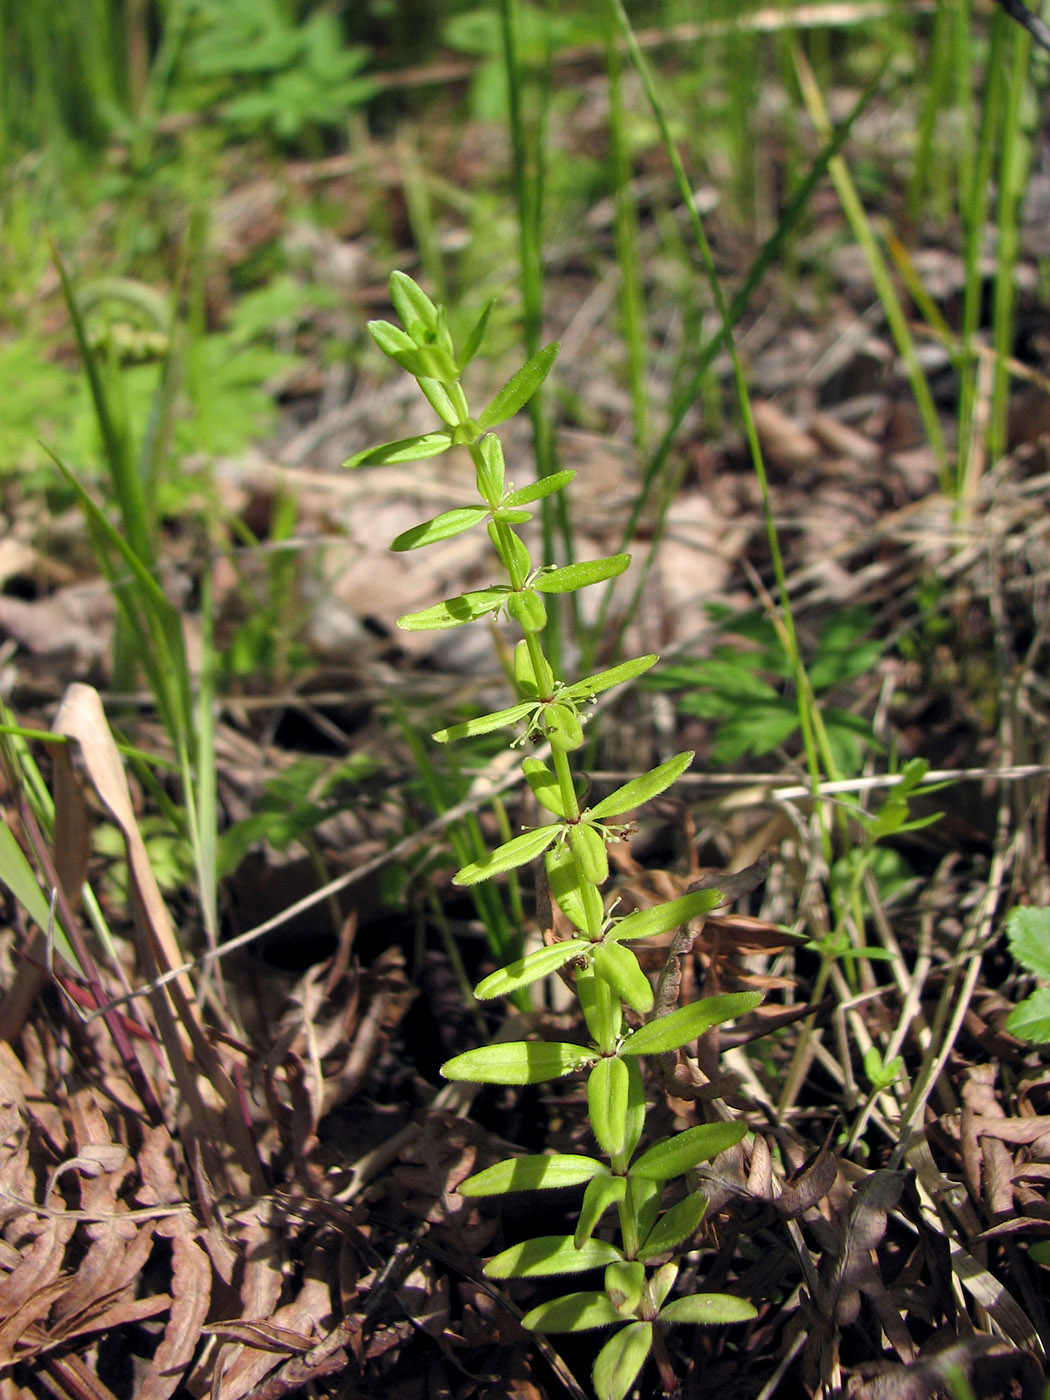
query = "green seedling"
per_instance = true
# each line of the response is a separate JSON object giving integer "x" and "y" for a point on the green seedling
{"x": 628, "y": 1179}
{"x": 1028, "y": 934}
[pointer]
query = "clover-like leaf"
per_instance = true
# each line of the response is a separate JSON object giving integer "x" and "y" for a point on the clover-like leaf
{"x": 551, "y": 1254}
{"x": 620, "y": 1359}
{"x": 540, "y": 1173}
{"x": 442, "y": 527}
{"x": 454, "y": 612}
{"x": 518, "y": 1062}
{"x": 619, "y": 967}
{"x": 518, "y": 851}
{"x": 661, "y": 918}
{"x": 643, "y": 789}
{"x": 524, "y": 971}
{"x": 574, "y": 576}
{"x": 601, "y": 1193}
{"x": 517, "y": 391}
{"x": 708, "y": 1309}
{"x": 607, "y": 1091}
{"x": 688, "y": 1022}
{"x": 413, "y": 449}
{"x": 674, "y": 1226}
{"x": 676, "y": 1155}
{"x": 575, "y": 1312}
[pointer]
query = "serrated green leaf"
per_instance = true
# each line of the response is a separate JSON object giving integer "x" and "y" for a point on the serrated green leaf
{"x": 1028, "y": 934}
{"x": 483, "y": 724}
{"x": 601, "y": 1193}
{"x": 517, "y": 391}
{"x": 518, "y": 1062}
{"x": 442, "y": 527}
{"x": 413, "y": 449}
{"x": 540, "y": 1173}
{"x": 620, "y": 1360}
{"x": 661, "y": 918}
{"x": 454, "y": 612}
{"x": 708, "y": 1309}
{"x": 607, "y": 1091}
{"x": 524, "y": 971}
{"x": 1031, "y": 1019}
{"x": 575, "y": 1312}
{"x": 518, "y": 851}
{"x": 619, "y": 967}
{"x": 674, "y": 1226}
{"x": 574, "y": 576}
{"x": 551, "y": 1254}
{"x": 640, "y": 790}
{"x": 545, "y": 785}
{"x": 688, "y": 1022}
{"x": 580, "y": 903}
{"x": 546, "y": 486}
{"x": 605, "y": 680}
{"x": 678, "y": 1154}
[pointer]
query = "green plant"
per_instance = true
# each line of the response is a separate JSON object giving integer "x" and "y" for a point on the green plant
{"x": 608, "y": 979}
{"x": 735, "y": 686}
{"x": 1028, "y": 934}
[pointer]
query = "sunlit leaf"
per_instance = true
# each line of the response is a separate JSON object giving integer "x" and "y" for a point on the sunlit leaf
{"x": 620, "y": 1359}
{"x": 607, "y": 1090}
{"x": 483, "y": 724}
{"x": 518, "y": 851}
{"x": 605, "y": 680}
{"x": 522, "y": 973}
{"x": 661, "y": 918}
{"x": 518, "y": 1062}
{"x": 546, "y": 486}
{"x": 602, "y": 1192}
{"x": 676, "y": 1225}
{"x": 412, "y": 449}
{"x": 547, "y": 1173}
{"x": 418, "y": 313}
{"x": 517, "y": 391}
{"x": 442, "y": 527}
{"x": 454, "y": 612}
{"x": 619, "y": 967}
{"x": 708, "y": 1308}
{"x": 640, "y": 790}
{"x": 688, "y": 1022}
{"x": 551, "y": 1254}
{"x": 588, "y": 846}
{"x": 574, "y": 576}
{"x": 576, "y": 1312}
{"x": 676, "y": 1155}
{"x": 545, "y": 785}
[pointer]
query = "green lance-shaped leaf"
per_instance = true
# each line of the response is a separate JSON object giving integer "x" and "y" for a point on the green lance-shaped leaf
{"x": 619, "y": 967}
{"x": 519, "y": 388}
{"x": 620, "y": 1359}
{"x": 574, "y": 576}
{"x": 438, "y": 397}
{"x": 392, "y": 340}
{"x": 545, "y": 785}
{"x": 688, "y": 1022}
{"x": 644, "y": 1195}
{"x": 624, "y": 1282}
{"x": 454, "y": 612}
{"x": 519, "y": 1062}
{"x": 442, "y": 527}
{"x": 511, "y": 550}
{"x": 601, "y": 1193}
{"x": 674, "y": 1226}
{"x": 607, "y": 1091}
{"x": 663, "y": 1281}
{"x": 639, "y": 790}
{"x": 678, "y": 1154}
{"x": 533, "y": 1174}
{"x": 527, "y": 609}
{"x": 635, "y": 1111}
{"x": 708, "y": 1308}
{"x": 490, "y": 470}
{"x": 562, "y": 727}
{"x": 418, "y": 314}
{"x": 605, "y": 680}
{"x": 476, "y": 336}
{"x": 506, "y": 516}
{"x": 575, "y": 1312}
{"x": 586, "y": 991}
{"x": 525, "y": 678}
{"x": 546, "y": 486}
{"x": 580, "y": 902}
{"x": 551, "y": 1254}
{"x": 412, "y": 449}
{"x": 518, "y": 851}
{"x": 661, "y": 918}
{"x": 524, "y": 971}
{"x": 484, "y": 724}
{"x": 588, "y": 846}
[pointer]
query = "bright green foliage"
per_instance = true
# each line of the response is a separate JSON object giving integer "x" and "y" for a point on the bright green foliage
{"x": 1028, "y": 933}
{"x": 573, "y": 841}
{"x": 741, "y": 685}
